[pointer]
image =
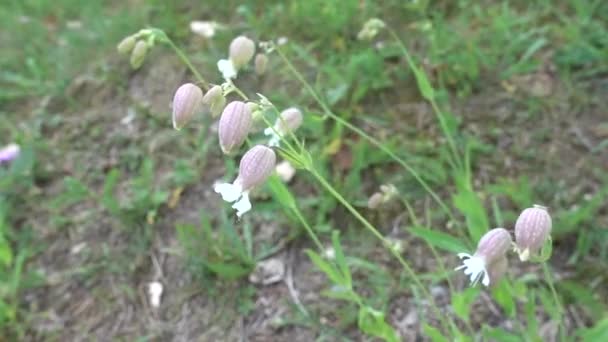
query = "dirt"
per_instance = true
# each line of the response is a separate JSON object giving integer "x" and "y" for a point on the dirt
{"x": 95, "y": 288}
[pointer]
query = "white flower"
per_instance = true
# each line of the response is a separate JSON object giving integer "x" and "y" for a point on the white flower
{"x": 234, "y": 193}
{"x": 204, "y": 28}
{"x": 227, "y": 69}
{"x": 475, "y": 267}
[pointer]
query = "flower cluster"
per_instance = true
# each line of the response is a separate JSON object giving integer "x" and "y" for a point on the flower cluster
{"x": 489, "y": 262}
{"x": 236, "y": 123}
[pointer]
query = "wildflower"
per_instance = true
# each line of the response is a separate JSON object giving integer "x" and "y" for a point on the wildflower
{"x": 285, "y": 171}
{"x": 138, "y": 54}
{"x": 491, "y": 247}
{"x": 9, "y": 153}
{"x": 260, "y": 63}
{"x": 288, "y": 121}
{"x": 241, "y": 51}
{"x": 186, "y": 102}
{"x": 234, "y": 126}
{"x": 370, "y": 29}
{"x": 126, "y": 45}
{"x": 214, "y": 100}
{"x": 255, "y": 167}
{"x": 386, "y": 194}
{"x": 532, "y": 228}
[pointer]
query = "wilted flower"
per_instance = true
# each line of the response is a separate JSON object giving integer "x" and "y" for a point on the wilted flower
{"x": 234, "y": 126}
{"x": 491, "y": 247}
{"x": 255, "y": 167}
{"x": 241, "y": 51}
{"x": 214, "y": 100}
{"x": 532, "y": 228}
{"x": 288, "y": 121}
{"x": 370, "y": 29}
{"x": 260, "y": 63}
{"x": 138, "y": 55}
{"x": 126, "y": 45}
{"x": 9, "y": 153}
{"x": 186, "y": 102}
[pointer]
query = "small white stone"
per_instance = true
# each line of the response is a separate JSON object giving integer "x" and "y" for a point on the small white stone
{"x": 268, "y": 272}
{"x": 155, "y": 291}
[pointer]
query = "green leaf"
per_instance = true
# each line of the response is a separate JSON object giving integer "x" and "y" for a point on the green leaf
{"x": 229, "y": 270}
{"x": 502, "y": 294}
{"x": 280, "y": 192}
{"x": 108, "y": 200}
{"x": 469, "y": 204}
{"x": 340, "y": 259}
{"x": 462, "y": 302}
{"x": 332, "y": 273}
{"x": 6, "y": 253}
{"x": 599, "y": 332}
{"x": 500, "y": 335}
{"x": 372, "y": 322}
{"x": 439, "y": 239}
{"x": 425, "y": 87}
{"x": 433, "y": 333}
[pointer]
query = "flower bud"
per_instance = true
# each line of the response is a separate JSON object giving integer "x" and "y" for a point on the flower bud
{"x": 256, "y": 166}
{"x": 260, "y": 63}
{"x": 498, "y": 269}
{"x": 492, "y": 246}
{"x": 532, "y": 228}
{"x": 186, "y": 102}
{"x": 138, "y": 54}
{"x": 214, "y": 100}
{"x": 241, "y": 51}
{"x": 126, "y": 45}
{"x": 289, "y": 120}
{"x": 234, "y": 126}
{"x": 9, "y": 153}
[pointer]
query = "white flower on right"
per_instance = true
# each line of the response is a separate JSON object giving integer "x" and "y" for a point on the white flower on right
{"x": 288, "y": 121}
{"x": 492, "y": 247}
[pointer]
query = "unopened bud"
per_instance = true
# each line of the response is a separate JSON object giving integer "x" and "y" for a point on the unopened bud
{"x": 375, "y": 200}
{"x": 214, "y": 100}
{"x": 234, "y": 126}
{"x": 241, "y": 51}
{"x": 256, "y": 166}
{"x": 138, "y": 55}
{"x": 126, "y": 45}
{"x": 532, "y": 228}
{"x": 186, "y": 102}
{"x": 261, "y": 62}
{"x": 289, "y": 120}
{"x": 370, "y": 29}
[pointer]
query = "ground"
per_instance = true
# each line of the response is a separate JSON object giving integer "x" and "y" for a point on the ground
{"x": 538, "y": 136}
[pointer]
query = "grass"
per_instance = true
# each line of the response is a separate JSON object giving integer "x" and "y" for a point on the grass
{"x": 473, "y": 111}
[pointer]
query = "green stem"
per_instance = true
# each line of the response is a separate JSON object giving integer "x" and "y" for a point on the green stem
{"x": 558, "y": 303}
{"x": 186, "y": 61}
{"x": 385, "y": 242}
{"x": 361, "y": 133}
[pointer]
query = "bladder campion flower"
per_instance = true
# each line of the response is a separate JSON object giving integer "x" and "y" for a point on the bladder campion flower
{"x": 491, "y": 247}
{"x": 260, "y": 63}
{"x": 234, "y": 126}
{"x": 127, "y": 44}
{"x": 186, "y": 102}
{"x": 255, "y": 167}
{"x": 240, "y": 52}
{"x": 532, "y": 228}
{"x": 214, "y": 100}
{"x": 138, "y": 55}
{"x": 288, "y": 121}
{"x": 9, "y": 153}
{"x": 498, "y": 269}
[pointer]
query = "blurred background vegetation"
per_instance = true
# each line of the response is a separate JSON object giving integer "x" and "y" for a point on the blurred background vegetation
{"x": 106, "y": 197}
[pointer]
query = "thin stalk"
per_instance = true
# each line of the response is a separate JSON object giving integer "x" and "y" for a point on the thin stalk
{"x": 366, "y": 136}
{"x": 558, "y": 303}
{"x": 386, "y": 243}
{"x": 186, "y": 61}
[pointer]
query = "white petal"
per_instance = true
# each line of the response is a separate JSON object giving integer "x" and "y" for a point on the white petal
{"x": 229, "y": 192}
{"x": 227, "y": 69}
{"x": 475, "y": 268}
{"x": 243, "y": 205}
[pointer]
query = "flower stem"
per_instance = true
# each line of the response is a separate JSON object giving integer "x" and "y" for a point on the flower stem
{"x": 558, "y": 303}
{"x": 366, "y": 136}
{"x": 385, "y": 242}
{"x": 186, "y": 61}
